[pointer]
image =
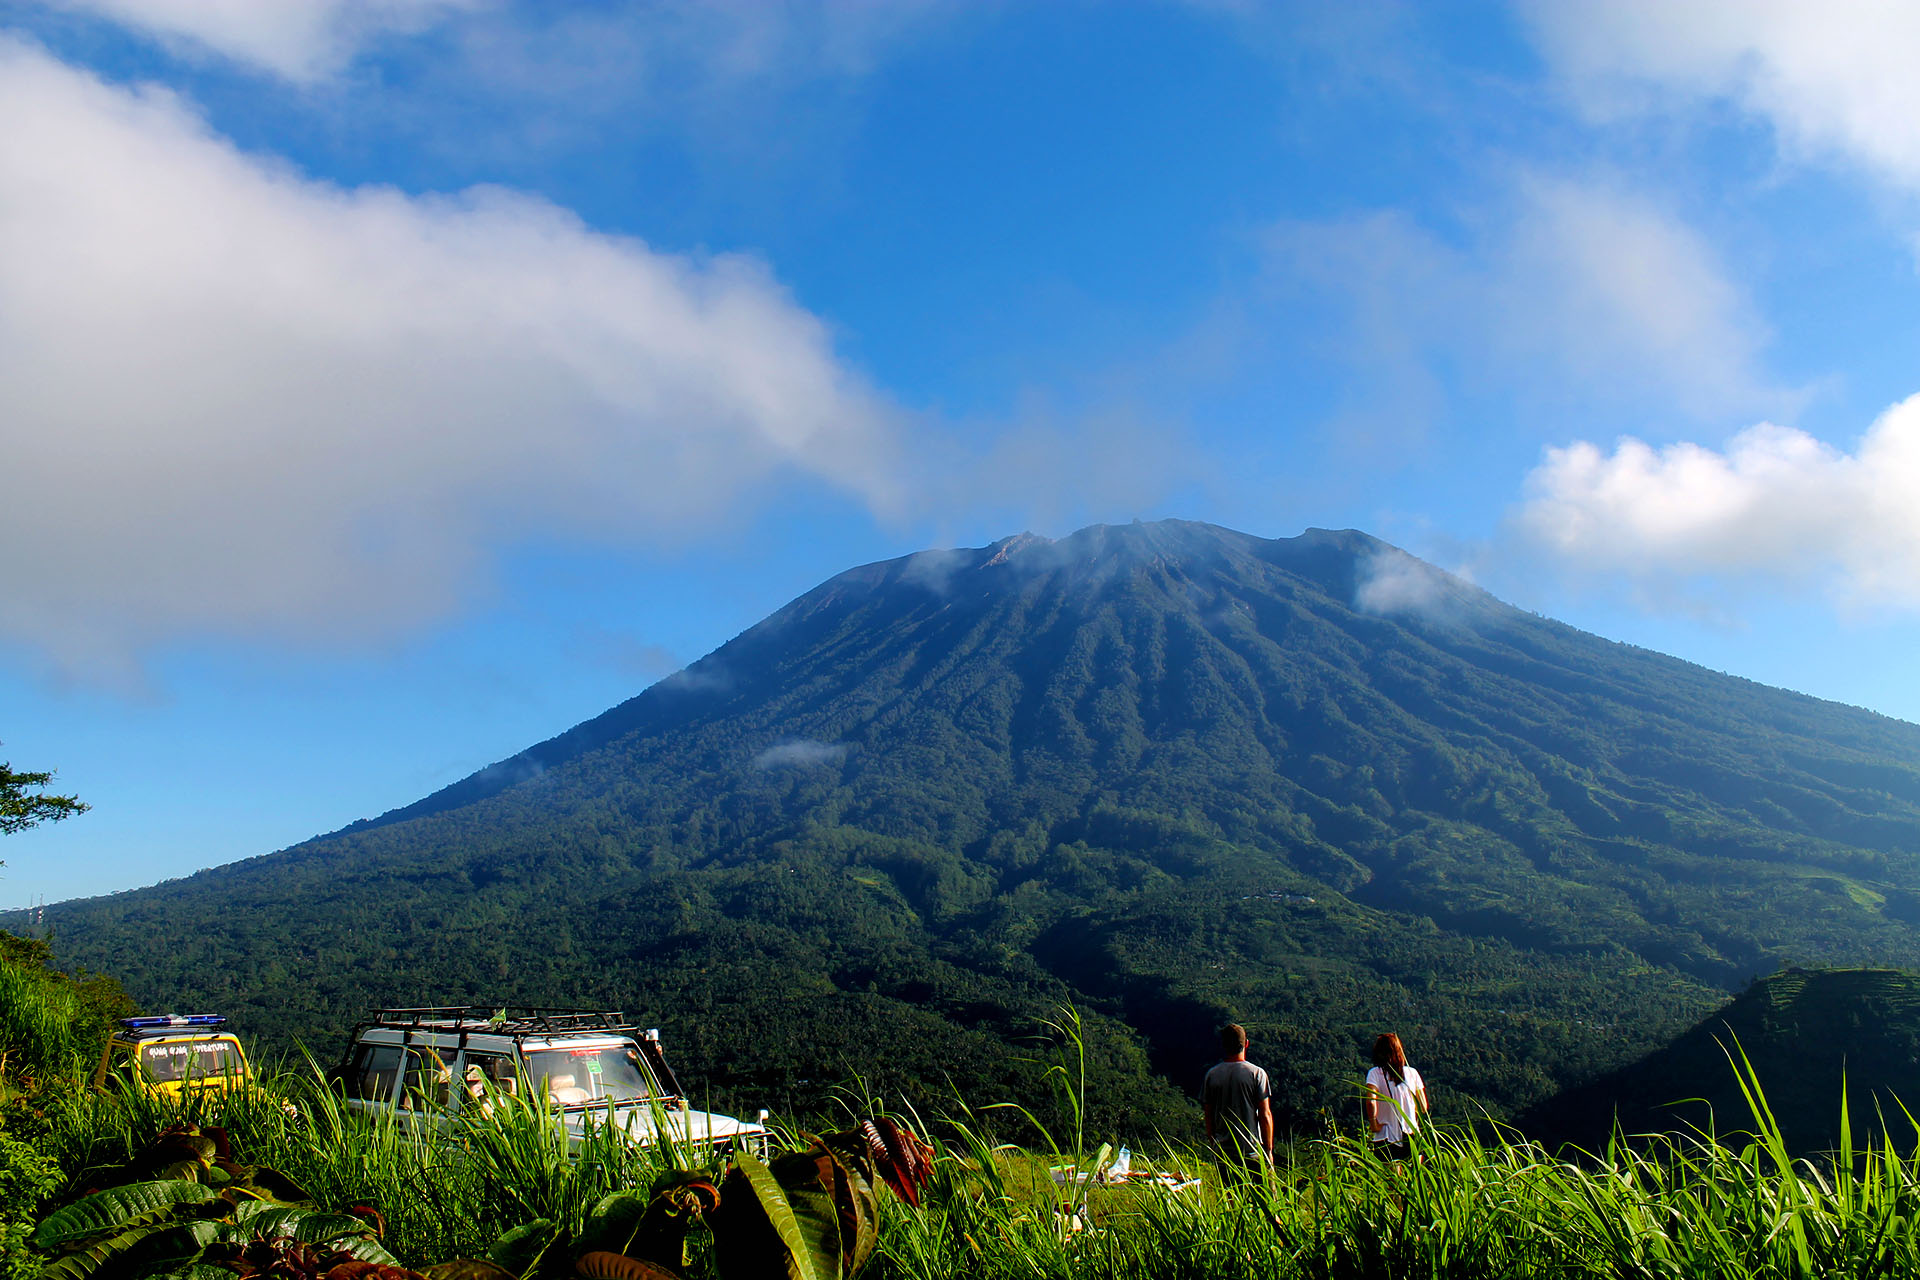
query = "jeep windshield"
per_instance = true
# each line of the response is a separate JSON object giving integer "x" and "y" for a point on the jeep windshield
{"x": 586, "y": 1074}
{"x": 194, "y": 1060}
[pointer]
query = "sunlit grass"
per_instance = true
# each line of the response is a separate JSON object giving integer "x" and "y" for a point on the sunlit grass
{"x": 39, "y": 1039}
{"x": 1470, "y": 1204}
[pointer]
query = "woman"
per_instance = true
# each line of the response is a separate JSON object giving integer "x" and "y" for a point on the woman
{"x": 1395, "y": 1098}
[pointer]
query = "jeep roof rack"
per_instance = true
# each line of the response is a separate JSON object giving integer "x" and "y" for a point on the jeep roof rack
{"x": 503, "y": 1019}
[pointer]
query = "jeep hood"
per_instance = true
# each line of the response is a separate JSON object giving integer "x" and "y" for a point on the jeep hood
{"x": 644, "y": 1124}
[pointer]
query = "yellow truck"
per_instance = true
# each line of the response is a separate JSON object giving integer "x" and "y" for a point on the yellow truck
{"x": 168, "y": 1055}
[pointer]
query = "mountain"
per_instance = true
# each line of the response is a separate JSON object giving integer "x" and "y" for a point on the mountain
{"x": 1170, "y": 773}
{"x": 1811, "y": 1037}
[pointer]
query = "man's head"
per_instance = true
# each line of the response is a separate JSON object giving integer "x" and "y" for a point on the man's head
{"x": 1233, "y": 1039}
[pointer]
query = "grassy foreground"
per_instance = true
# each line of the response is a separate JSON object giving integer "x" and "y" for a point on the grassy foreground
{"x": 1471, "y": 1205}
{"x": 1674, "y": 1207}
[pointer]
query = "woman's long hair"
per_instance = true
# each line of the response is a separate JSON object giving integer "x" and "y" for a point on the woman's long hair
{"x": 1390, "y": 1056}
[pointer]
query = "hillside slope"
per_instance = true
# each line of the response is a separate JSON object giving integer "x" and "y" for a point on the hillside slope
{"x": 1170, "y": 772}
{"x": 1808, "y": 1034}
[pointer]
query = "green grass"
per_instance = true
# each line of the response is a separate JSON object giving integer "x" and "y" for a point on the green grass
{"x": 51, "y": 1027}
{"x": 1680, "y": 1207}
{"x": 1469, "y": 1206}
{"x": 1472, "y": 1204}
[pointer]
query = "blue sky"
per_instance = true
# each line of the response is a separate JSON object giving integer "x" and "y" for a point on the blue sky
{"x": 384, "y": 388}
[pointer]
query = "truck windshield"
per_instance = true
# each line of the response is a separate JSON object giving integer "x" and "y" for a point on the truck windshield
{"x": 190, "y": 1060}
{"x": 591, "y": 1074}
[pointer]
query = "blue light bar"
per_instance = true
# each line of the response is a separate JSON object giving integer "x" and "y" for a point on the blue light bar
{"x": 174, "y": 1020}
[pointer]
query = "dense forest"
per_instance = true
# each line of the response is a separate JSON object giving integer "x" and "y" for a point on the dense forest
{"x": 1170, "y": 773}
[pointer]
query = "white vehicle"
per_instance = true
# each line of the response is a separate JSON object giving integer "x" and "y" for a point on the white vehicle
{"x": 431, "y": 1064}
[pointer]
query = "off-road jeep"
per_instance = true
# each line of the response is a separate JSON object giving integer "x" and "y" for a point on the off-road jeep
{"x": 430, "y": 1065}
{"x": 169, "y": 1055}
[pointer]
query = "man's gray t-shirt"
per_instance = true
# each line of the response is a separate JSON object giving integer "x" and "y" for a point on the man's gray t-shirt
{"x": 1235, "y": 1091}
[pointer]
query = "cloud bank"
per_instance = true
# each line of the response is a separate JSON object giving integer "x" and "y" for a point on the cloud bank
{"x": 245, "y": 402}
{"x": 1572, "y": 287}
{"x": 299, "y": 40}
{"x": 534, "y": 49}
{"x": 1834, "y": 79}
{"x": 1774, "y": 505}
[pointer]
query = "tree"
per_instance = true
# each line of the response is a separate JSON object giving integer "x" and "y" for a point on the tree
{"x": 22, "y": 805}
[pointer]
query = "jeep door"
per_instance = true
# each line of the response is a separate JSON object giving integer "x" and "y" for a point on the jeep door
{"x": 426, "y": 1092}
{"x": 372, "y": 1077}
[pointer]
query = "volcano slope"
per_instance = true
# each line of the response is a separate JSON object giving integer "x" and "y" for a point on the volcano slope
{"x": 1167, "y": 772}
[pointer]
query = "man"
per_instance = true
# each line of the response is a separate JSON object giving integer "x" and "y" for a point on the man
{"x": 1239, "y": 1109}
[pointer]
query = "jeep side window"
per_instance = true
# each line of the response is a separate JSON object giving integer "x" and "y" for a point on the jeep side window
{"x": 374, "y": 1070}
{"x": 484, "y": 1076}
{"x": 428, "y": 1079}
{"x": 488, "y": 1073}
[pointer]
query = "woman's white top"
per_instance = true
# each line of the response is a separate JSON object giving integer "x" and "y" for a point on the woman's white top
{"x": 1396, "y": 1107}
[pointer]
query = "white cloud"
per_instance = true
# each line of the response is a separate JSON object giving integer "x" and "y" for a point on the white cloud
{"x": 707, "y": 676}
{"x": 537, "y": 50}
{"x": 1834, "y": 78}
{"x": 1391, "y": 582}
{"x": 1774, "y": 505}
{"x": 802, "y": 753}
{"x": 300, "y": 40}
{"x": 241, "y": 401}
{"x": 1579, "y": 287}
{"x": 1606, "y": 282}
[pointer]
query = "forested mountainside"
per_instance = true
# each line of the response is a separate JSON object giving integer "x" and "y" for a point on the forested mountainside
{"x": 1810, "y": 1036}
{"x": 1168, "y": 772}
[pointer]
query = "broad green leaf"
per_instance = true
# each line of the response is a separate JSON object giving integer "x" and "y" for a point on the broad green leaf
{"x": 178, "y": 1243}
{"x": 263, "y": 1219}
{"x": 652, "y": 1229}
{"x": 364, "y": 1249}
{"x": 91, "y": 1260}
{"x": 613, "y": 1223}
{"x": 116, "y": 1208}
{"x": 521, "y": 1249}
{"x": 760, "y": 1232}
{"x": 813, "y": 1181}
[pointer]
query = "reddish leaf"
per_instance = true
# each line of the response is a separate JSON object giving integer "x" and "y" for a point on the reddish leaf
{"x": 372, "y": 1217}
{"x": 358, "y": 1270}
{"x": 904, "y": 1161}
{"x": 602, "y": 1265}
